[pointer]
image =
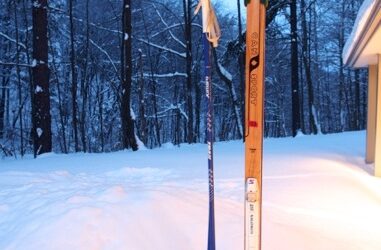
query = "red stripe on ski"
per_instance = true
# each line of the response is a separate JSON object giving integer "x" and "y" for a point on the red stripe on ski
{"x": 253, "y": 124}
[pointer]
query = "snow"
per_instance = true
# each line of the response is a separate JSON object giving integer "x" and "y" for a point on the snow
{"x": 361, "y": 19}
{"x": 318, "y": 194}
{"x": 38, "y": 89}
{"x": 39, "y": 132}
{"x": 225, "y": 72}
{"x": 36, "y": 4}
{"x": 149, "y": 75}
{"x": 34, "y": 63}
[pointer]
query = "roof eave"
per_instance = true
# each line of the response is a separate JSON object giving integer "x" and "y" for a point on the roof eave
{"x": 366, "y": 34}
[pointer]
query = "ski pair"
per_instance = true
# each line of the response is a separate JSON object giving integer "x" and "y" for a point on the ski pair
{"x": 254, "y": 122}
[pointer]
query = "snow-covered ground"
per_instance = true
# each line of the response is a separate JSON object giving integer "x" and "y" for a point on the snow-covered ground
{"x": 318, "y": 194}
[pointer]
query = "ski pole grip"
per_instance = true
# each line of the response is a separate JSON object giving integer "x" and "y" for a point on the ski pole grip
{"x": 210, "y": 24}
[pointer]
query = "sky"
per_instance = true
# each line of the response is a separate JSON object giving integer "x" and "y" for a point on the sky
{"x": 230, "y": 5}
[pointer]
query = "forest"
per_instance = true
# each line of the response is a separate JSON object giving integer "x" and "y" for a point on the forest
{"x": 101, "y": 76}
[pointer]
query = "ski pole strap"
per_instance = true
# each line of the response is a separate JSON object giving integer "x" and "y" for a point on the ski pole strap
{"x": 210, "y": 24}
{"x": 265, "y": 2}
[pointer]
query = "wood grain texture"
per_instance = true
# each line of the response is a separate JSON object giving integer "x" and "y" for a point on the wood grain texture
{"x": 254, "y": 124}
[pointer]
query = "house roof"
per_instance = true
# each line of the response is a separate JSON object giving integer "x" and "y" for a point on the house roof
{"x": 364, "y": 43}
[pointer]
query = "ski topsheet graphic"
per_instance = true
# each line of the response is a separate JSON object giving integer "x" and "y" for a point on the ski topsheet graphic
{"x": 254, "y": 97}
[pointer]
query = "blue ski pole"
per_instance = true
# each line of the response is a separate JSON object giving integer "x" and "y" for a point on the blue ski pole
{"x": 208, "y": 85}
{"x": 211, "y": 34}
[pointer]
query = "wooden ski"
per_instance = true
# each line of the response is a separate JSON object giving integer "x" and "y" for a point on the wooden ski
{"x": 254, "y": 124}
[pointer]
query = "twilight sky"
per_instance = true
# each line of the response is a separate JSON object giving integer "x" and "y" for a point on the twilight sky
{"x": 230, "y": 5}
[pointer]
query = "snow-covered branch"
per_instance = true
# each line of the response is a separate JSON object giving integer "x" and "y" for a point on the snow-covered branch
{"x": 63, "y": 12}
{"x": 168, "y": 75}
{"x": 183, "y": 55}
{"x": 224, "y": 72}
{"x": 12, "y": 40}
{"x": 171, "y": 108}
{"x": 105, "y": 52}
{"x": 166, "y": 25}
{"x": 15, "y": 64}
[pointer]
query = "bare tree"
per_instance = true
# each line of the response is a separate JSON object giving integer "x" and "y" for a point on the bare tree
{"x": 128, "y": 134}
{"x": 85, "y": 81}
{"x": 73, "y": 77}
{"x": 312, "y": 112}
{"x": 296, "y": 125}
{"x": 187, "y": 5}
{"x": 142, "y": 123}
{"x": 41, "y": 132}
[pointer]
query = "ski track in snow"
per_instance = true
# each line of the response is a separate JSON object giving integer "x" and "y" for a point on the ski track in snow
{"x": 318, "y": 194}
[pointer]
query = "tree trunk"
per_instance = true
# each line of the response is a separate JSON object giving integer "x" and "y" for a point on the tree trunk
{"x": 128, "y": 134}
{"x": 60, "y": 108}
{"x": 294, "y": 69}
{"x": 19, "y": 84}
{"x": 155, "y": 109}
{"x": 85, "y": 82}
{"x": 307, "y": 70}
{"x": 343, "y": 95}
{"x": 4, "y": 84}
{"x": 27, "y": 52}
{"x": 156, "y": 128}
{"x": 100, "y": 117}
{"x": 41, "y": 133}
{"x": 5, "y": 74}
{"x": 73, "y": 78}
{"x": 187, "y": 5}
{"x": 142, "y": 124}
{"x": 232, "y": 94}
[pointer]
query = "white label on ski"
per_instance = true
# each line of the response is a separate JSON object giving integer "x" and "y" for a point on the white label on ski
{"x": 252, "y": 214}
